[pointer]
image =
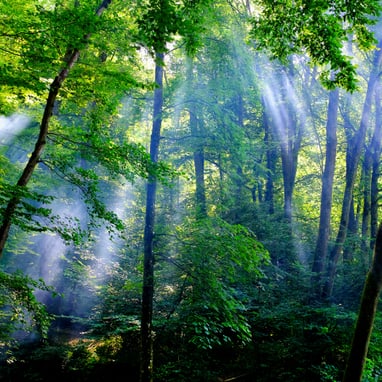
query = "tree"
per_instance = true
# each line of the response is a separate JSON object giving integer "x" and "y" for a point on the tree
{"x": 271, "y": 156}
{"x": 353, "y": 155}
{"x": 84, "y": 149}
{"x": 320, "y": 253}
{"x": 370, "y": 180}
{"x": 148, "y": 239}
{"x": 319, "y": 28}
{"x": 196, "y": 130}
{"x": 366, "y": 315}
{"x": 288, "y": 125}
{"x": 376, "y": 153}
{"x": 70, "y": 59}
{"x": 203, "y": 292}
{"x": 155, "y": 36}
{"x": 21, "y": 309}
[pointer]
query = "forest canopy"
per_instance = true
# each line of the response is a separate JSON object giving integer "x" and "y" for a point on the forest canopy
{"x": 189, "y": 190}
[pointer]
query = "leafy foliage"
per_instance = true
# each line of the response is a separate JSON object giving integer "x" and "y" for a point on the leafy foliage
{"x": 20, "y": 310}
{"x": 232, "y": 289}
{"x": 216, "y": 259}
{"x": 184, "y": 19}
{"x": 321, "y": 29}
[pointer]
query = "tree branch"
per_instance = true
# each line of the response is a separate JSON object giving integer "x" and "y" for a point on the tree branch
{"x": 42, "y": 137}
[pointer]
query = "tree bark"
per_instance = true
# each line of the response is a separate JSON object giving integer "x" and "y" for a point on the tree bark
{"x": 353, "y": 154}
{"x": 34, "y": 159}
{"x": 321, "y": 250}
{"x": 146, "y": 367}
{"x": 364, "y": 326}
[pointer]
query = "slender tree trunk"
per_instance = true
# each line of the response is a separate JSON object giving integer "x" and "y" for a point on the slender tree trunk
{"x": 366, "y": 212}
{"x": 370, "y": 177}
{"x": 352, "y": 230}
{"x": 34, "y": 159}
{"x": 200, "y": 192}
{"x": 290, "y": 143}
{"x": 288, "y": 123}
{"x": 369, "y": 181}
{"x": 320, "y": 253}
{"x": 240, "y": 182}
{"x": 376, "y": 159}
{"x": 353, "y": 154}
{"x": 289, "y": 178}
{"x": 196, "y": 125}
{"x": 364, "y": 326}
{"x": 271, "y": 164}
{"x": 200, "y": 188}
{"x": 146, "y": 369}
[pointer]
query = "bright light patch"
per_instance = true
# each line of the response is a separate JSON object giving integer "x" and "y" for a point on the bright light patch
{"x": 11, "y": 126}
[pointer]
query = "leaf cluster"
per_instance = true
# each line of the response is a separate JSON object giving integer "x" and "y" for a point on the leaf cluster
{"x": 160, "y": 21}
{"x": 19, "y": 307}
{"x": 35, "y": 41}
{"x": 319, "y": 28}
{"x": 217, "y": 257}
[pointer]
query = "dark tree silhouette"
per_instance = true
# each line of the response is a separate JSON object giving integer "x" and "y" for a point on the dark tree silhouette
{"x": 364, "y": 327}
{"x": 148, "y": 261}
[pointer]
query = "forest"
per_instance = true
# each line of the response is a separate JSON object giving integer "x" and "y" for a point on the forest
{"x": 190, "y": 190}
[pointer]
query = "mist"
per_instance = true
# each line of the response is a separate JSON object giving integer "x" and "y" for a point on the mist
{"x": 11, "y": 127}
{"x": 219, "y": 273}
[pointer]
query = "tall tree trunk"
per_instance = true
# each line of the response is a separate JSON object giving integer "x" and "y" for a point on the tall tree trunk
{"x": 290, "y": 142}
{"x": 366, "y": 212}
{"x": 321, "y": 250}
{"x": 364, "y": 326}
{"x": 376, "y": 147}
{"x": 70, "y": 60}
{"x": 353, "y": 154}
{"x": 370, "y": 177}
{"x": 200, "y": 192}
{"x": 288, "y": 132}
{"x": 146, "y": 368}
{"x": 240, "y": 177}
{"x": 352, "y": 231}
{"x": 271, "y": 164}
{"x": 288, "y": 123}
{"x": 289, "y": 178}
{"x": 196, "y": 126}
